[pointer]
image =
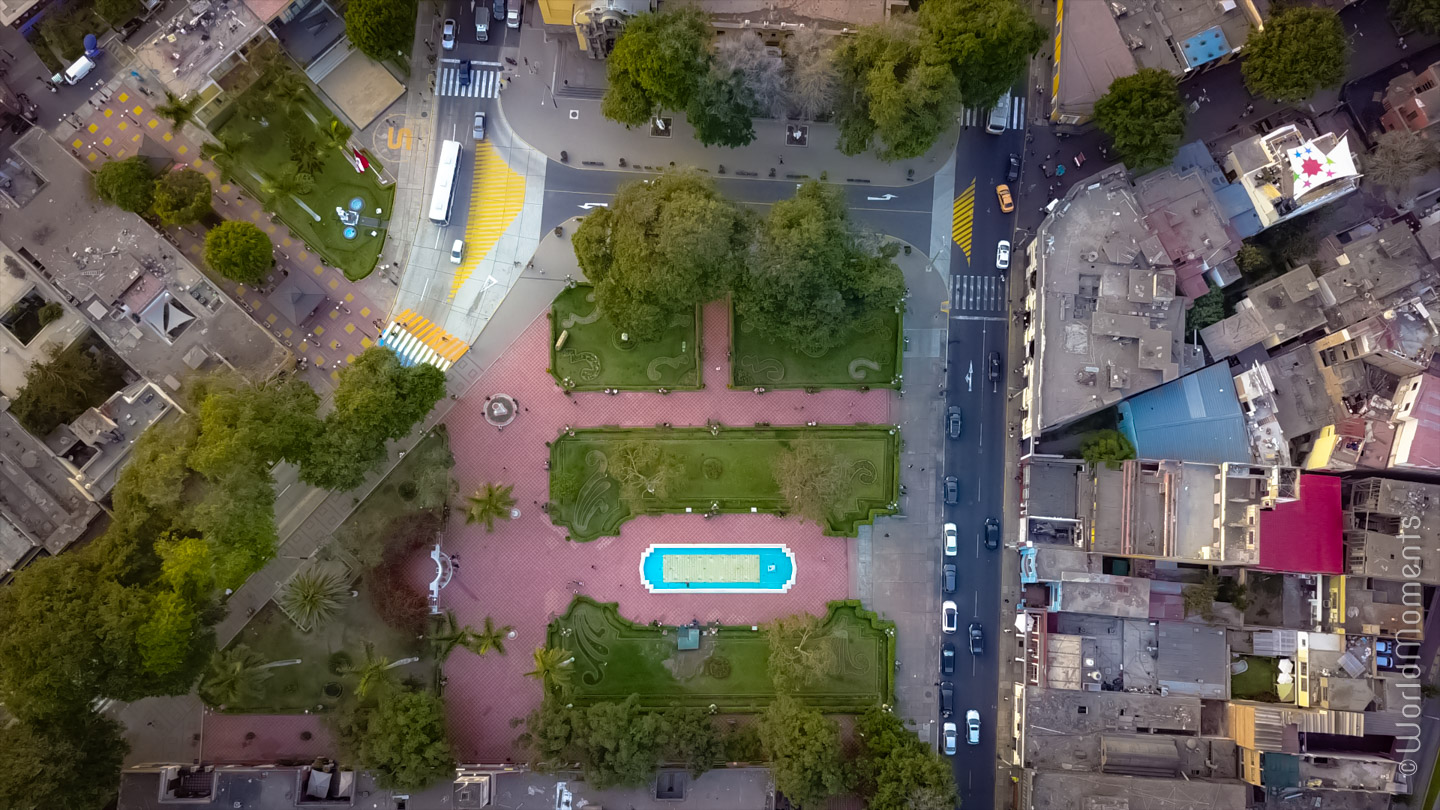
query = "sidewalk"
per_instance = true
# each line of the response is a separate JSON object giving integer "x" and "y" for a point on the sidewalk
{"x": 553, "y": 103}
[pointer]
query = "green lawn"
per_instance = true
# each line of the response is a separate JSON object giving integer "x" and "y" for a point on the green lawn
{"x": 615, "y": 658}
{"x": 870, "y": 358}
{"x": 1257, "y": 682}
{"x": 336, "y": 184}
{"x": 730, "y": 467}
{"x": 593, "y": 358}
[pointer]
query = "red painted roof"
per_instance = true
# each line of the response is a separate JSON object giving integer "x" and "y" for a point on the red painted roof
{"x": 1303, "y": 536}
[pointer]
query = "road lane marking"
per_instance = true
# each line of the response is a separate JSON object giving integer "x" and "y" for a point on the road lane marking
{"x": 962, "y": 220}
{"x": 497, "y": 194}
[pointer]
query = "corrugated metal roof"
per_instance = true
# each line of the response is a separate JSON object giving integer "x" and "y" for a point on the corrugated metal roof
{"x": 1195, "y": 418}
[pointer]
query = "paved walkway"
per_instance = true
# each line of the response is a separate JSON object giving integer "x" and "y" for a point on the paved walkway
{"x": 553, "y": 103}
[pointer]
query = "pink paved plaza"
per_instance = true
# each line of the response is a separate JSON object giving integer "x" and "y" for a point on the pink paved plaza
{"x": 526, "y": 572}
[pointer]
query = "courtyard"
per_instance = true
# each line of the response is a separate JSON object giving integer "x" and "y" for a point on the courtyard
{"x": 589, "y": 353}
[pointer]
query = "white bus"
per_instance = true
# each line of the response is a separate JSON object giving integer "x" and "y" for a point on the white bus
{"x": 444, "y": 197}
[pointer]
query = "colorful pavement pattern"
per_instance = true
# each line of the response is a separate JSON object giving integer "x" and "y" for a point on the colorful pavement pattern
{"x": 525, "y": 572}
{"x": 340, "y": 328}
{"x": 497, "y": 197}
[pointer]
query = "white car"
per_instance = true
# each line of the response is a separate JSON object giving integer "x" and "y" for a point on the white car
{"x": 951, "y": 540}
{"x": 1002, "y": 255}
{"x": 950, "y": 618}
{"x": 457, "y": 251}
{"x": 447, "y": 36}
{"x": 950, "y": 735}
{"x": 478, "y": 129}
{"x": 972, "y": 727}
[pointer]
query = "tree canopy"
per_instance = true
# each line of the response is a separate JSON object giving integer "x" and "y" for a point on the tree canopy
{"x": 801, "y": 652}
{"x": 182, "y": 197}
{"x": 402, "y": 739}
{"x": 656, "y": 64}
{"x": 1107, "y": 446}
{"x": 239, "y": 251}
{"x": 617, "y": 743}
{"x": 1206, "y": 310}
{"x": 721, "y": 110}
{"x": 80, "y": 376}
{"x": 127, "y": 184}
{"x": 1400, "y": 157}
{"x": 71, "y": 763}
{"x": 804, "y": 750}
{"x": 661, "y": 248}
{"x": 1301, "y": 50}
{"x": 986, "y": 43}
{"x": 380, "y": 28}
{"x": 811, "y": 479}
{"x": 1417, "y": 15}
{"x": 622, "y": 744}
{"x": 1145, "y": 117}
{"x": 811, "y": 278}
{"x": 895, "y": 770}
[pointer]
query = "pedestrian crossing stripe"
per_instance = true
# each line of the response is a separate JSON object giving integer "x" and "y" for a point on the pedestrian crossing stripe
{"x": 963, "y": 219}
{"x": 980, "y": 116}
{"x": 418, "y": 340}
{"x": 483, "y": 83}
{"x": 496, "y": 196}
{"x": 978, "y": 294}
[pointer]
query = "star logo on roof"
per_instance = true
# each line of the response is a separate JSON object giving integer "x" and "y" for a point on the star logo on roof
{"x": 1310, "y": 167}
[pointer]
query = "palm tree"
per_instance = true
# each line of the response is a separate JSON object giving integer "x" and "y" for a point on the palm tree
{"x": 289, "y": 182}
{"x": 338, "y": 135}
{"x": 308, "y": 155}
{"x": 374, "y": 672}
{"x": 449, "y": 634}
{"x": 492, "y": 638}
{"x": 287, "y": 90}
{"x": 491, "y": 504}
{"x": 178, "y": 111}
{"x": 553, "y": 668}
{"x": 313, "y": 597}
{"x": 235, "y": 676}
{"x": 224, "y": 151}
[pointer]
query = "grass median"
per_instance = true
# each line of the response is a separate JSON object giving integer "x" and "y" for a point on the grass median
{"x": 870, "y": 357}
{"x": 591, "y": 355}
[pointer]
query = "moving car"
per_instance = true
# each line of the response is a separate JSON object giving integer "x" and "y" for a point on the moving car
{"x": 1002, "y": 255}
{"x": 951, "y": 533}
{"x": 992, "y": 533}
{"x": 951, "y": 575}
{"x": 977, "y": 639}
{"x": 1007, "y": 203}
{"x": 952, "y": 490}
{"x": 999, "y": 115}
{"x": 972, "y": 727}
{"x": 994, "y": 366}
{"x": 447, "y": 36}
{"x": 951, "y": 618}
{"x": 478, "y": 129}
{"x": 1012, "y": 168}
{"x": 457, "y": 251}
{"x": 482, "y": 20}
{"x": 947, "y": 659}
{"x": 949, "y": 736}
{"x": 512, "y": 17}
{"x": 953, "y": 421}
{"x": 947, "y": 699}
{"x": 464, "y": 72}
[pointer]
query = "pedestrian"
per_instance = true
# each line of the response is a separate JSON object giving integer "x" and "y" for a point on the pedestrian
{"x": 782, "y": 161}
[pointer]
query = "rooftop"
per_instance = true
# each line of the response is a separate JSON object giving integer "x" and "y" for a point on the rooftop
{"x": 1049, "y": 713}
{"x": 1303, "y": 536}
{"x": 827, "y": 14}
{"x": 1391, "y": 528}
{"x": 1093, "y": 55}
{"x": 1091, "y": 791}
{"x": 1195, "y": 418}
{"x": 1106, "y": 323}
{"x": 1262, "y": 165}
{"x": 1270, "y": 314}
{"x": 1372, "y": 271}
{"x": 39, "y": 507}
{"x": 1417, "y": 420}
{"x": 1181, "y": 208}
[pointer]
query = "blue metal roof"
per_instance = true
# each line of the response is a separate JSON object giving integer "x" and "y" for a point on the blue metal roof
{"x": 1235, "y": 204}
{"x": 1194, "y": 418}
{"x": 1205, "y": 47}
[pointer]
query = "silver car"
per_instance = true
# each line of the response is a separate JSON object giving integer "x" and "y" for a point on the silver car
{"x": 950, "y": 735}
{"x": 447, "y": 36}
{"x": 478, "y": 130}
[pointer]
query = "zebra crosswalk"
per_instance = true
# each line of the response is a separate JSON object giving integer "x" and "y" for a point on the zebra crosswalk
{"x": 978, "y": 294}
{"x": 484, "y": 83}
{"x": 980, "y": 116}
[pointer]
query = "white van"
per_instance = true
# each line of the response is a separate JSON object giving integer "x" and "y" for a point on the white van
{"x": 999, "y": 115}
{"x": 79, "y": 70}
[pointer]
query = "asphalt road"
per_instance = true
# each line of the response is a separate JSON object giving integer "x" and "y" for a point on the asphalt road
{"x": 905, "y": 215}
{"x": 979, "y": 324}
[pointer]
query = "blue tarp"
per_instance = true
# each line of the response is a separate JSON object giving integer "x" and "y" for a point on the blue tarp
{"x": 1195, "y": 418}
{"x": 1205, "y": 47}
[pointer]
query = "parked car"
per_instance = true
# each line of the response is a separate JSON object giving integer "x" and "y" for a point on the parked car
{"x": 464, "y": 72}
{"x": 992, "y": 533}
{"x": 950, "y": 740}
{"x": 952, "y": 575}
{"x": 457, "y": 251}
{"x": 1002, "y": 255}
{"x": 947, "y": 659}
{"x": 953, "y": 421}
{"x": 1007, "y": 203}
{"x": 447, "y": 36}
{"x": 951, "y": 539}
{"x": 512, "y": 17}
{"x": 972, "y": 727}
{"x": 950, "y": 620}
{"x": 952, "y": 490}
{"x": 947, "y": 699}
{"x": 977, "y": 639}
{"x": 499, "y": 9}
{"x": 1012, "y": 168}
{"x": 478, "y": 128}
{"x": 994, "y": 366}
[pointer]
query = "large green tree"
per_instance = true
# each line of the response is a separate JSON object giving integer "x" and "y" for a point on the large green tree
{"x": 986, "y": 43}
{"x": 1206, "y": 310}
{"x": 377, "y": 400}
{"x": 69, "y": 763}
{"x": 1109, "y": 447}
{"x": 235, "y": 675}
{"x": 1417, "y": 15}
{"x": 182, "y": 197}
{"x": 721, "y": 110}
{"x": 622, "y": 743}
{"x": 61, "y": 387}
{"x": 380, "y": 28}
{"x": 1145, "y": 117}
{"x": 403, "y": 740}
{"x": 247, "y": 424}
{"x": 692, "y": 740}
{"x": 811, "y": 278}
{"x": 1301, "y": 50}
{"x": 656, "y": 64}
{"x": 895, "y": 770}
{"x": 239, "y": 251}
{"x": 661, "y": 248}
{"x": 127, "y": 184}
{"x": 801, "y": 652}
{"x": 804, "y": 750}
{"x": 811, "y": 478}
{"x": 893, "y": 91}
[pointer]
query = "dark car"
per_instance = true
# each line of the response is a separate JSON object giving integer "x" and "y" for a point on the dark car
{"x": 977, "y": 639}
{"x": 950, "y": 577}
{"x": 992, "y": 533}
{"x": 947, "y": 659}
{"x": 1012, "y": 169}
{"x": 464, "y": 72}
{"x": 952, "y": 490}
{"x": 994, "y": 366}
{"x": 953, "y": 421}
{"x": 947, "y": 699}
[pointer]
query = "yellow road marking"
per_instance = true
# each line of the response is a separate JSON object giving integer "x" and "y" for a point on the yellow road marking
{"x": 963, "y": 220}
